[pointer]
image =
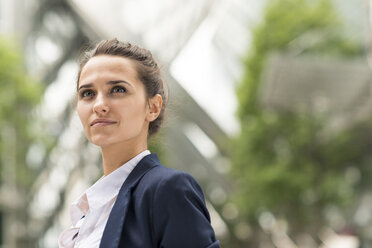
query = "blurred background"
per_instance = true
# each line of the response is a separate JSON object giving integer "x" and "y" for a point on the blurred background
{"x": 270, "y": 109}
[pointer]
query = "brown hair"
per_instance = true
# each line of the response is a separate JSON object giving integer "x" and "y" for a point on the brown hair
{"x": 148, "y": 71}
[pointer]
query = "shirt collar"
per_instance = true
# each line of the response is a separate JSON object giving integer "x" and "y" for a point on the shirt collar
{"x": 104, "y": 190}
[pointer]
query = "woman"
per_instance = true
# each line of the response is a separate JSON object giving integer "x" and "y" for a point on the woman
{"x": 138, "y": 202}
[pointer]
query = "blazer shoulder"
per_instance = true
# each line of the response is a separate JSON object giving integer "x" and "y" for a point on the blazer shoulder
{"x": 179, "y": 214}
{"x": 161, "y": 176}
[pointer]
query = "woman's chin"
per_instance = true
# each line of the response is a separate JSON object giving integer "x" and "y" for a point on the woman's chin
{"x": 101, "y": 141}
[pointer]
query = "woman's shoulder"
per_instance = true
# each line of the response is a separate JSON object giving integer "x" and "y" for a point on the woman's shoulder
{"x": 162, "y": 173}
{"x": 161, "y": 176}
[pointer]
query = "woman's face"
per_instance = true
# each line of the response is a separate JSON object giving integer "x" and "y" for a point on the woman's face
{"x": 112, "y": 103}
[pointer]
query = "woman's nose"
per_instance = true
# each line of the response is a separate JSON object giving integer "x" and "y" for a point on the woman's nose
{"x": 101, "y": 106}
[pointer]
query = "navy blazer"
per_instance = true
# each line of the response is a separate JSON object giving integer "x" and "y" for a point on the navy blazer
{"x": 158, "y": 207}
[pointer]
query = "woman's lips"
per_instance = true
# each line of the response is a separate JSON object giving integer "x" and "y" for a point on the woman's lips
{"x": 102, "y": 122}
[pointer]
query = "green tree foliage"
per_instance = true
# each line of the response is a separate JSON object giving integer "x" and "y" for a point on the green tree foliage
{"x": 283, "y": 162}
{"x": 309, "y": 26}
{"x": 18, "y": 95}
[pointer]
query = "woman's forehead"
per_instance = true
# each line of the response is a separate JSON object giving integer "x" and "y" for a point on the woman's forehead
{"x": 108, "y": 65}
{"x": 110, "y": 62}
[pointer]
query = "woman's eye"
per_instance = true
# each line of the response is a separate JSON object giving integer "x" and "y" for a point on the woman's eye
{"x": 118, "y": 89}
{"x": 87, "y": 93}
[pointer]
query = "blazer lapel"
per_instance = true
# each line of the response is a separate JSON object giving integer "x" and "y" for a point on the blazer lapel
{"x": 114, "y": 226}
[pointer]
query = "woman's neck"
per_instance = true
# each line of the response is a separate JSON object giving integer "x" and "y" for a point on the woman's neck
{"x": 116, "y": 155}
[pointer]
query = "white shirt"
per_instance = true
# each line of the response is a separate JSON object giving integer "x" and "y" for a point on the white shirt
{"x": 90, "y": 212}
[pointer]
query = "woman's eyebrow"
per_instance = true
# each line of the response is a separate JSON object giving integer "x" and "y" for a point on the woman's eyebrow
{"x": 118, "y": 81}
{"x": 113, "y": 82}
{"x": 86, "y": 86}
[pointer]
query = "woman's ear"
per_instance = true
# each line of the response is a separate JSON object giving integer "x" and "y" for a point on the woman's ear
{"x": 155, "y": 104}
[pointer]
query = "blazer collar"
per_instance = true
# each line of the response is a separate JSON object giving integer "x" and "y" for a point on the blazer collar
{"x": 112, "y": 233}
